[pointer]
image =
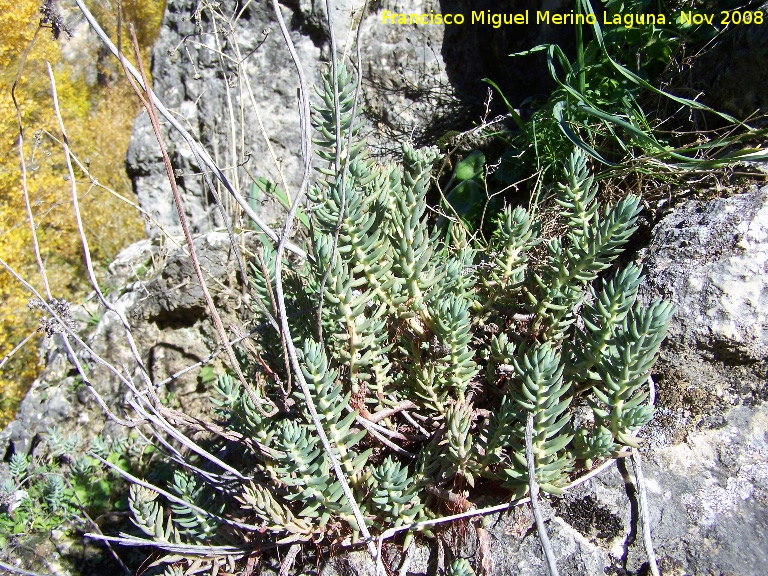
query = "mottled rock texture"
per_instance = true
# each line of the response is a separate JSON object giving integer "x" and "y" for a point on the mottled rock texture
{"x": 711, "y": 260}
{"x": 707, "y": 456}
{"x": 156, "y": 289}
{"x": 217, "y": 73}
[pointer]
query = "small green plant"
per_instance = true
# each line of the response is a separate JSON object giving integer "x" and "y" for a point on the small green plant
{"x": 94, "y": 317}
{"x": 447, "y": 347}
{"x": 207, "y": 376}
{"x": 460, "y": 567}
{"x": 53, "y": 489}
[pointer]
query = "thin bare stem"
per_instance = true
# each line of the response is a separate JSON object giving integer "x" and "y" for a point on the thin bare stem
{"x": 23, "y": 166}
{"x": 266, "y": 137}
{"x": 386, "y": 413}
{"x": 173, "y": 433}
{"x": 18, "y": 347}
{"x": 644, "y": 512}
{"x": 202, "y": 426}
{"x": 14, "y": 570}
{"x": 186, "y": 549}
{"x": 456, "y": 500}
{"x": 174, "y": 454}
{"x": 271, "y": 295}
{"x": 372, "y": 429}
{"x": 84, "y": 377}
{"x": 28, "y": 208}
{"x": 340, "y": 171}
{"x": 390, "y": 532}
{"x": 360, "y": 419}
{"x": 133, "y": 479}
{"x": 95, "y": 182}
{"x": 72, "y": 182}
{"x": 286, "y": 332}
{"x": 150, "y": 108}
{"x": 84, "y": 240}
{"x": 211, "y": 356}
{"x": 533, "y": 486}
{"x": 227, "y": 224}
{"x": 230, "y": 110}
{"x": 412, "y": 421}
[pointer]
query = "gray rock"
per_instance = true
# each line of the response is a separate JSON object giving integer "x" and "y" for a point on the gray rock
{"x": 711, "y": 259}
{"x": 707, "y": 455}
{"x": 203, "y": 89}
{"x": 708, "y": 497}
{"x": 419, "y": 82}
{"x": 158, "y": 292}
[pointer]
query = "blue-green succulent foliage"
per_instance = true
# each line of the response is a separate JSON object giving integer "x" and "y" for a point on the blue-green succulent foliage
{"x": 442, "y": 350}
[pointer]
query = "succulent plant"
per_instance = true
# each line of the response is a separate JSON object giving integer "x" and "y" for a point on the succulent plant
{"x": 424, "y": 358}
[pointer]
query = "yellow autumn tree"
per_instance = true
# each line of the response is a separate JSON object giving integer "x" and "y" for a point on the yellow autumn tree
{"x": 98, "y": 108}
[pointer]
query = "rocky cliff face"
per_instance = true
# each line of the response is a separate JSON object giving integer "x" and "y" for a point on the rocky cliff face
{"x": 227, "y": 74}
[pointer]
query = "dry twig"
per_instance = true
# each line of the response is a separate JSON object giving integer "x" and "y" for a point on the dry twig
{"x": 150, "y": 108}
{"x": 534, "y": 495}
{"x": 286, "y": 331}
{"x": 644, "y": 512}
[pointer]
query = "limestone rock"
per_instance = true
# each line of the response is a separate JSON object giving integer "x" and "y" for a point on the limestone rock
{"x": 209, "y": 93}
{"x": 419, "y": 82}
{"x": 156, "y": 289}
{"x": 711, "y": 260}
{"x": 707, "y": 454}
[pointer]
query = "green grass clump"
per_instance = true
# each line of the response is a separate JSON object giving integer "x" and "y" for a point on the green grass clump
{"x": 616, "y": 100}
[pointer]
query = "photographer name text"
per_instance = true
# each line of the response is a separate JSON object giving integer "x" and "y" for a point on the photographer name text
{"x": 628, "y": 20}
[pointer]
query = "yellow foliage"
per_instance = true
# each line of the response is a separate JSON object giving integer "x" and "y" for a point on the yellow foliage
{"x": 98, "y": 120}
